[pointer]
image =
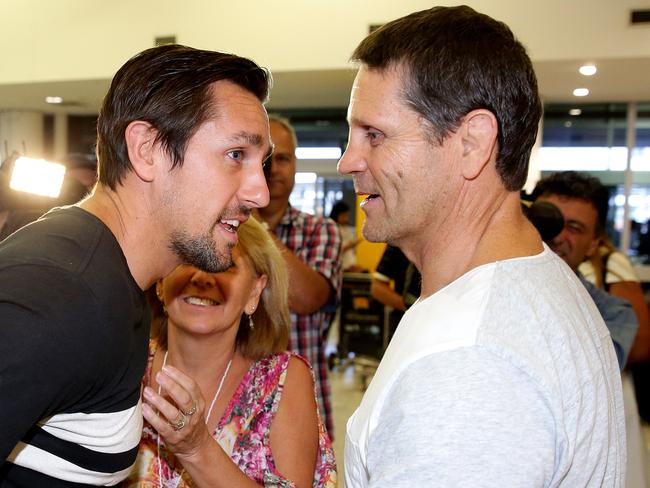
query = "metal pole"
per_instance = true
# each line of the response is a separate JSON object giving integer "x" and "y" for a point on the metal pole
{"x": 631, "y": 144}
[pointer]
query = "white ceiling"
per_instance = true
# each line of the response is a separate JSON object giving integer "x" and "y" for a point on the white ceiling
{"x": 617, "y": 80}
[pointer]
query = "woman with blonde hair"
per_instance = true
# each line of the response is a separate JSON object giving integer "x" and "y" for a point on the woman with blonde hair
{"x": 225, "y": 404}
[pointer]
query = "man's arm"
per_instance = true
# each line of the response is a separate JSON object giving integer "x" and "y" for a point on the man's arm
{"x": 619, "y": 318}
{"x": 314, "y": 270}
{"x": 382, "y": 292}
{"x": 633, "y": 293}
{"x": 308, "y": 289}
{"x": 463, "y": 418}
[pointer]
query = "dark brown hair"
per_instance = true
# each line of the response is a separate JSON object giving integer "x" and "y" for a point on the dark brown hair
{"x": 168, "y": 87}
{"x": 455, "y": 60}
{"x": 581, "y": 186}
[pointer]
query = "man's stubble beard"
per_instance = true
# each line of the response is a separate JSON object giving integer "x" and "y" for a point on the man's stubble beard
{"x": 201, "y": 251}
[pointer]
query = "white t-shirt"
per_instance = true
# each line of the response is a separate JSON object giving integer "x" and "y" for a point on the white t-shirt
{"x": 506, "y": 377}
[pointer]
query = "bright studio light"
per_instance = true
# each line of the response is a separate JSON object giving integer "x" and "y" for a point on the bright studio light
{"x": 54, "y": 100}
{"x": 588, "y": 70}
{"x": 318, "y": 152}
{"x": 37, "y": 176}
{"x": 575, "y": 112}
{"x": 581, "y": 92}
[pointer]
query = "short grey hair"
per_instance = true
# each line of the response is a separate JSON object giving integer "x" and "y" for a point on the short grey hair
{"x": 284, "y": 122}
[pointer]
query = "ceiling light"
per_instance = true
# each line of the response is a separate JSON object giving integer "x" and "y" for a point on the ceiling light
{"x": 575, "y": 111}
{"x": 37, "y": 176}
{"x": 54, "y": 99}
{"x": 588, "y": 69}
{"x": 306, "y": 177}
{"x": 581, "y": 92}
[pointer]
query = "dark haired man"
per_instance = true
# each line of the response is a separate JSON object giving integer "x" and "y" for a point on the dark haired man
{"x": 503, "y": 373}
{"x": 182, "y": 135}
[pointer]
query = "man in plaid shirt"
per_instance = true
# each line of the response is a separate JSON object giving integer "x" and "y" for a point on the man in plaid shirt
{"x": 312, "y": 248}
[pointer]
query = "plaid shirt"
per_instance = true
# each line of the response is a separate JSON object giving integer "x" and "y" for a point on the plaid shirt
{"x": 316, "y": 241}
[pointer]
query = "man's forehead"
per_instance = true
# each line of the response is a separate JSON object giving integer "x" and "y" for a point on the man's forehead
{"x": 376, "y": 93}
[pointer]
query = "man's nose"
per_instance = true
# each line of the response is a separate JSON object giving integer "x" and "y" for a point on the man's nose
{"x": 352, "y": 161}
{"x": 255, "y": 190}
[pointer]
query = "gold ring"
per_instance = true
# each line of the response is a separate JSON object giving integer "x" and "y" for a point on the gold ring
{"x": 179, "y": 424}
{"x": 191, "y": 412}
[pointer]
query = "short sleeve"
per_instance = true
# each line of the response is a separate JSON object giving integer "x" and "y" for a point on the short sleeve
{"x": 323, "y": 252}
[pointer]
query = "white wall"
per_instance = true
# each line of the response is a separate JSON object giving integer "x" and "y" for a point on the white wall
{"x": 44, "y": 40}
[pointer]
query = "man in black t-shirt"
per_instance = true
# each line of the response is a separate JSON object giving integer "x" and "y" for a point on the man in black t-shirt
{"x": 182, "y": 135}
{"x": 405, "y": 290}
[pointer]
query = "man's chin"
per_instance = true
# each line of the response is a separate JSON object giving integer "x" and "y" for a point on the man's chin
{"x": 373, "y": 233}
{"x": 202, "y": 253}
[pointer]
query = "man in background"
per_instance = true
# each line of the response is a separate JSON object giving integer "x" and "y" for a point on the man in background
{"x": 583, "y": 201}
{"x": 181, "y": 137}
{"x": 312, "y": 247}
{"x": 503, "y": 373}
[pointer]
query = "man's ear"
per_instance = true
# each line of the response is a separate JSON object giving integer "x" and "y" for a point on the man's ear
{"x": 478, "y": 131}
{"x": 140, "y": 140}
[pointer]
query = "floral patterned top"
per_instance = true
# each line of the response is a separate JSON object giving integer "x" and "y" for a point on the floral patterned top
{"x": 242, "y": 432}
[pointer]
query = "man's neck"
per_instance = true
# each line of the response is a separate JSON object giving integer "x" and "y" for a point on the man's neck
{"x": 136, "y": 232}
{"x": 273, "y": 213}
{"x": 496, "y": 230}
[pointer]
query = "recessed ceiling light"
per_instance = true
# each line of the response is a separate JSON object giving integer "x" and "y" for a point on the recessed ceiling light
{"x": 568, "y": 124}
{"x": 581, "y": 92}
{"x": 54, "y": 99}
{"x": 588, "y": 69}
{"x": 575, "y": 111}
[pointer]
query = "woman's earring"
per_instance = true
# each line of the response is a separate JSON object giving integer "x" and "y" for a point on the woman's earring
{"x": 162, "y": 302}
{"x": 251, "y": 324}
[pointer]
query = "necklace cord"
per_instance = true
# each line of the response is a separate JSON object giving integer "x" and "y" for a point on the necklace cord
{"x": 207, "y": 417}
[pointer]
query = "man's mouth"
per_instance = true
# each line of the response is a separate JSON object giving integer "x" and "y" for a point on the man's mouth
{"x": 369, "y": 198}
{"x": 230, "y": 225}
{"x": 200, "y": 301}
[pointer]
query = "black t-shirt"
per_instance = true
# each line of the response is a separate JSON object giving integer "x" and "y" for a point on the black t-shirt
{"x": 74, "y": 328}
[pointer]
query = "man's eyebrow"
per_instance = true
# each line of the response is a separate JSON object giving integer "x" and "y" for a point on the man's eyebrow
{"x": 356, "y": 121}
{"x": 247, "y": 137}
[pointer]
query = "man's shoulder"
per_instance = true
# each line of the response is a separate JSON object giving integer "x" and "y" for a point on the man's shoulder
{"x": 68, "y": 249}
{"x": 63, "y": 238}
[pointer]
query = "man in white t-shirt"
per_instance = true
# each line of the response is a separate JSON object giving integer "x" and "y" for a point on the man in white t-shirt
{"x": 503, "y": 373}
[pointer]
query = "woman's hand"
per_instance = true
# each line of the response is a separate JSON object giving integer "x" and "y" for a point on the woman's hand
{"x": 178, "y": 416}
